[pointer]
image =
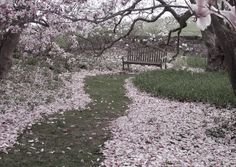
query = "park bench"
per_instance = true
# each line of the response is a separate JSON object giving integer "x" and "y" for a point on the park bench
{"x": 145, "y": 56}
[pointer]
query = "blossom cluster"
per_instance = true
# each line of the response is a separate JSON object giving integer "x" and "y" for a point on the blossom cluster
{"x": 45, "y": 39}
{"x": 18, "y": 13}
{"x": 204, "y": 8}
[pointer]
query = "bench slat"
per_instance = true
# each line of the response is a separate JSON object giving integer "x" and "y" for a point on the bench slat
{"x": 145, "y": 56}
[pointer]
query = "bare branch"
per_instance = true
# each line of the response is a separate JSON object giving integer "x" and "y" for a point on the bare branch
{"x": 131, "y": 29}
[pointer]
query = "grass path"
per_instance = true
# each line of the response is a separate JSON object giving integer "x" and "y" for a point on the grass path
{"x": 74, "y": 138}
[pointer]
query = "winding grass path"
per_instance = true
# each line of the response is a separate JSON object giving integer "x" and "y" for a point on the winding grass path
{"x": 73, "y": 138}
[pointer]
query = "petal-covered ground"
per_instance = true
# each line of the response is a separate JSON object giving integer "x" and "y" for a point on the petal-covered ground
{"x": 17, "y": 117}
{"x": 160, "y": 132}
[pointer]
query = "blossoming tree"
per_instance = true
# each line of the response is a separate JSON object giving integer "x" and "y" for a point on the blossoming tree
{"x": 215, "y": 18}
{"x": 16, "y": 16}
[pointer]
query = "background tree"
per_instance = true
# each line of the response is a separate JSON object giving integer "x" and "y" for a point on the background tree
{"x": 17, "y": 15}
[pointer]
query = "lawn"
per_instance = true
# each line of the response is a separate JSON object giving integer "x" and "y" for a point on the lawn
{"x": 213, "y": 88}
{"x": 196, "y": 62}
{"x": 72, "y": 139}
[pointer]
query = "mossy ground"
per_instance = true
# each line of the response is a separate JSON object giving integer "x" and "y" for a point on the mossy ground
{"x": 72, "y": 139}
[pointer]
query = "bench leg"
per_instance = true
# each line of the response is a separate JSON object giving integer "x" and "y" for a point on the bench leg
{"x": 128, "y": 67}
{"x": 123, "y": 66}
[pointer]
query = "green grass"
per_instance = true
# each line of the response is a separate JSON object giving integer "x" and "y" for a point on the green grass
{"x": 191, "y": 30}
{"x": 72, "y": 139}
{"x": 211, "y": 88}
{"x": 63, "y": 42}
{"x": 196, "y": 62}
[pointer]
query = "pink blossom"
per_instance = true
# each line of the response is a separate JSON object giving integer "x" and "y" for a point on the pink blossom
{"x": 202, "y": 12}
{"x": 204, "y": 8}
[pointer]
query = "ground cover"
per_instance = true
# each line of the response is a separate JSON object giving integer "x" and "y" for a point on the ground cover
{"x": 196, "y": 62}
{"x": 162, "y": 132}
{"x": 193, "y": 62}
{"x": 73, "y": 138}
{"x": 205, "y": 87}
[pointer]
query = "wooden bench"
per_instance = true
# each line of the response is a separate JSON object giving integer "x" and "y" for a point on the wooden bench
{"x": 145, "y": 56}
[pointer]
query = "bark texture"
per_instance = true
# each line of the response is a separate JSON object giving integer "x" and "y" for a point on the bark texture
{"x": 8, "y": 43}
{"x": 215, "y": 55}
{"x": 227, "y": 40}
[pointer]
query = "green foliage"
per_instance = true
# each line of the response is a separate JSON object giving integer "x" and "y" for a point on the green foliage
{"x": 83, "y": 66}
{"x": 31, "y": 61}
{"x": 196, "y": 62}
{"x": 16, "y": 54}
{"x": 72, "y": 139}
{"x": 211, "y": 88}
{"x": 60, "y": 65}
{"x": 191, "y": 30}
{"x": 63, "y": 42}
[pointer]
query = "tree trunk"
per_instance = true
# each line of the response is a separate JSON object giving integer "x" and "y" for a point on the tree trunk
{"x": 8, "y": 43}
{"x": 227, "y": 40}
{"x": 215, "y": 56}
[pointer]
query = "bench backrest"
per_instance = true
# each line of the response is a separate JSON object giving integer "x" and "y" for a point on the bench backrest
{"x": 146, "y": 54}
